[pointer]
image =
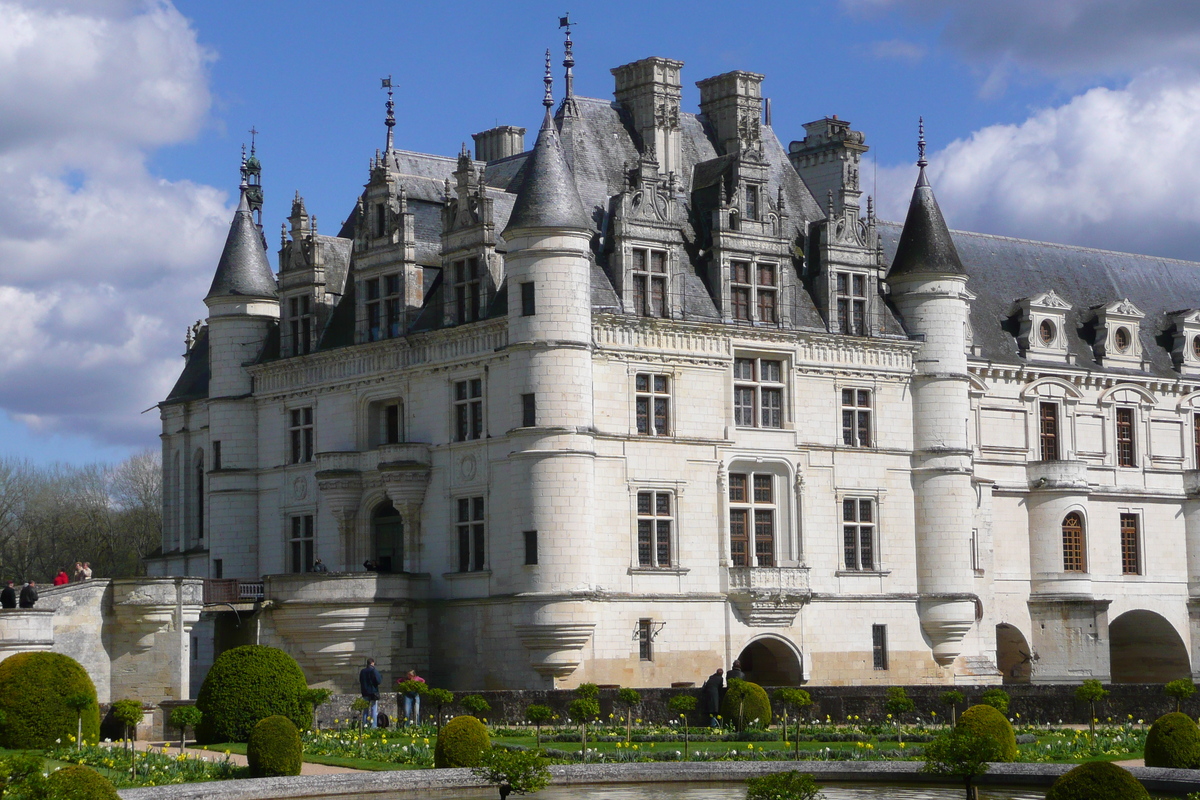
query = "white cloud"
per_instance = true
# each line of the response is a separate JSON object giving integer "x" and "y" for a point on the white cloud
{"x": 898, "y": 50}
{"x": 101, "y": 261}
{"x": 1111, "y": 168}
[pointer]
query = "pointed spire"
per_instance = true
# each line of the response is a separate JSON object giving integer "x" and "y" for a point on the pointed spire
{"x": 548, "y": 98}
{"x": 390, "y": 120}
{"x": 568, "y": 58}
{"x": 926, "y": 247}
{"x": 243, "y": 270}
{"x": 548, "y": 197}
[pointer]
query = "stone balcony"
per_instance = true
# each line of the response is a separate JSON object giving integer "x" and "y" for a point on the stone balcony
{"x": 1057, "y": 476}
{"x": 345, "y": 461}
{"x": 768, "y": 596}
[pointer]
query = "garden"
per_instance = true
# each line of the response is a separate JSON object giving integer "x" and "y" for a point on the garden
{"x": 255, "y": 703}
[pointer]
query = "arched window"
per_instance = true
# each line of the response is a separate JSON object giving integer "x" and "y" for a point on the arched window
{"x": 1074, "y": 557}
{"x": 387, "y": 538}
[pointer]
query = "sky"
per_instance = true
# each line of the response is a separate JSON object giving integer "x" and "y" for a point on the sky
{"x": 122, "y": 121}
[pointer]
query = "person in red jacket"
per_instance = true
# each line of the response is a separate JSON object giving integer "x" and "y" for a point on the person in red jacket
{"x": 61, "y": 578}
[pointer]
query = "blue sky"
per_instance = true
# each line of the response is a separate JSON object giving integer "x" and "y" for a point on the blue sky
{"x": 121, "y": 123}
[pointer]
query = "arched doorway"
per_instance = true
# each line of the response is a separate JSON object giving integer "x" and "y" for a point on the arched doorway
{"x": 1013, "y": 654}
{"x": 770, "y": 661}
{"x": 1144, "y": 648}
{"x": 387, "y": 538}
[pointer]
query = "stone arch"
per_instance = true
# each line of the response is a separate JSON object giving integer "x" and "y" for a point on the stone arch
{"x": 1144, "y": 647}
{"x": 1046, "y": 387}
{"x": 1014, "y": 656}
{"x": 1110, "y": 395}
{"x": 771, "y": 660}
{"x": 387, "y": 537}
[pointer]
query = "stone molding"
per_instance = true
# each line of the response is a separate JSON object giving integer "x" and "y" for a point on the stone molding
{"x": 768, "y": 596}
{"x": 555, "y": 649}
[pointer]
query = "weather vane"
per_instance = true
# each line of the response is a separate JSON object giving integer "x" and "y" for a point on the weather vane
{"x": 386, "y": 83}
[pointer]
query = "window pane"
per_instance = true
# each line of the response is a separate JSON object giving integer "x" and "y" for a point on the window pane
{"x": 737, "y": 488}
{"x": 772, "y": 408}
{"x": 642, "y": 383}
{"x": 663, "y": 552}
{"x": 864, "y": 429}
{"x": 766, "y": 274}
{"x": 849, "y": 511}
{"x": 743, "y": 406}
{"x": 639, "y": 260}
{"x": 478, "y": 507}
{"x": 477, "y": 388}
{"x": 864, "y": 398}
{"x": 738, "y": 536}
{"x": 661, "y": 416}
{"x": 643, "y": 415}
{"x": 850, "y": 545}
{"x": 743, "y": 369}
{"x": 866, "y": 550}
{"x": 764, "y": 538}
{"x": 660, "y": 384}
{"x": 848, "y": 427}
{"x": 865, "y": 511}
{"x": 741, "y": 272}
{"x": 476, "y": 420}
{"x": 480, "y": 551}
{"x": 771, "y": 371}
{"x": 464, "y": 548}
{"x": 658, "y": 297}
{"x": 644, "y": 503}
{"x": 644, "y": 532}
{"x": 662, "y": 504}
{"x": 464, "y": 510}
{"x": 740, "y": 305}
{"x": 762, "y": 489}
{"x": 658, "y": 261}
{"x": 860, "y": 286}
{"x": 639, "y": 294}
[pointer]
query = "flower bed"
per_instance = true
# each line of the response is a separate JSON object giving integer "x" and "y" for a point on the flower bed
{"x": 154, "y": 767}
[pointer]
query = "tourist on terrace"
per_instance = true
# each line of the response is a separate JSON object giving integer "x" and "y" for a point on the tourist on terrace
{"x": 412, "y": 700}
{"x": 8, "y": 596}
{"x": 62, "y": 578}
{"x": 368, "y": 682}
{"x": 29, "y": 595}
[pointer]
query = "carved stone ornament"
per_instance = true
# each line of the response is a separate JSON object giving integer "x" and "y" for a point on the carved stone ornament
{"x": 768, "y": 597}
{"x": 300, "y": 488}
{"x": 555, "y": 649}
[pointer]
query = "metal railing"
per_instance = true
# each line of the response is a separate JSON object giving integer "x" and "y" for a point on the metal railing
{"x": 231, "y": 590}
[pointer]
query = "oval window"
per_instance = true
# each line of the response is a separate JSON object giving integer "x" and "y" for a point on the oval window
{"x": 1122, "y": 339}
{"x": 1046, "y": 332}
{"x": 1196, "y": 346}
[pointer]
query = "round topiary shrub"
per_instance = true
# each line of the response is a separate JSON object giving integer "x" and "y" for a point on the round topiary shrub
{"x": 77, "y": 782}
{"x": 274, "y": 748}
{"x": 461, "y": 743}
{"x": 746, "y": 705}
{"x": 1097, "y": 780}
{"x": 34, "y": 688}
{"x": 987, "y": 721}
{"x": 247, "y": 684}
{"x": 1173, "y": 741}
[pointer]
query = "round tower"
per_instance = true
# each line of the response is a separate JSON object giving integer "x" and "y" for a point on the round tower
{"x": 548, "y": 273}
{"x": 928, "y": 286}
{"x": 242, "y": 307}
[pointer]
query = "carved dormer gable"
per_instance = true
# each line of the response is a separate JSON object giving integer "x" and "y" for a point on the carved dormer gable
{"x": 472, "y": 269}
{"x": 1043, "y": 327}
{"x": 645, "y": 256}
{"x": 303, "y": 299}
{"x": 1184, "y": 327}
{"x": 389, "y": 282}
{"x": 847, "y": 267}
{"x": 1117, "y": 342}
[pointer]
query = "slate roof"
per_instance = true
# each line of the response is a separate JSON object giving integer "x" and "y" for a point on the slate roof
{"x": 548, "y": 197}
{"x": 925, "y": 244}
{"x": 1001, "y": 270}
{"x": 243, "y": 270}
{"x": 193, "y": 381}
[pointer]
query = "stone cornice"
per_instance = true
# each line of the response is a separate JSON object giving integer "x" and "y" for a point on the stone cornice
{"x": 1082, "y": 378}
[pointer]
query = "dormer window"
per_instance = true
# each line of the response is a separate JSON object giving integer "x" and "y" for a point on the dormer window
{"x": 753, "y": 291}
{"x": 650, "y": 282}
{"x": 1185, "y": 346}
{"x": 467, "y": 291}
{"x": 1042, "y": 334}
{"x": 751, "y": 202}
{"x": 851, "y": 299}
{"x": 383, "y": 307}
{"x": 300, "y": 324}
{"x": 380, "y": 219}
{"x": 1117, "y": 341}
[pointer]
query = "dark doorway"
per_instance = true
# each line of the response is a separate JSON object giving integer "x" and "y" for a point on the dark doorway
{"x": 1013, "y": 655}
{"x": 771, "y": 662}
{"x": 387, "y": 538}
{"x": 1144, "y": 648}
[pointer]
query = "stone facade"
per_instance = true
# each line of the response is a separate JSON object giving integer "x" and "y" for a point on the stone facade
{"x": 657, "y": 394}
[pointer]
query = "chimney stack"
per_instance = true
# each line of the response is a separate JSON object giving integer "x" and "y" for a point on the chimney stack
{"x": 732, "y": 104}
{"x": 498, "y": 143}
{"x": 649, "y": 90}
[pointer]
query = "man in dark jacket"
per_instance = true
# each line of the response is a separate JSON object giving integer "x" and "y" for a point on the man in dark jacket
{"x": 712, "y": 697}
{"x": 29, "y": 595}
{"x": 8, "y": 596}
{"x": 368, "y": 683}
{"x": 735, "y": 672}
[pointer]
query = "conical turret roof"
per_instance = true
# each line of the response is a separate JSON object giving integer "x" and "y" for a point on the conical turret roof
{"x": 548, "y": 198}
{"x": 925, "y": 245}
{"x": 243, "y": 270}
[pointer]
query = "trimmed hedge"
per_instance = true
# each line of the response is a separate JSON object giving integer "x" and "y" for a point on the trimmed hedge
{"x": 750, "y": 701}
{"x": 1097, "y": 780}
{"x": 274, "y": 748}
{"x": 461, "y": 743}
{"x": 248, "y": 684}
{"x": 1173, "y": 741}
{"x": 987, "y": 721}
{"x": 77, "y": 782}
{"x": 34, "y": 688}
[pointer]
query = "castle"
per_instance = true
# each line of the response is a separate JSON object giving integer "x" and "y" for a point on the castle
{"x": 659, "y": 393}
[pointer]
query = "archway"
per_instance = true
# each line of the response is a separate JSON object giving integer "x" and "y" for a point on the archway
{"x": 387, "y": 538}
{"x": 1145, "y": 648}
{"x": 769, "y": 661}
{"x": 1013, "y": 654}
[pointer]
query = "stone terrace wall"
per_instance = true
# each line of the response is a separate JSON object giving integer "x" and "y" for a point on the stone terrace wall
{"x": 1035, "y": 703}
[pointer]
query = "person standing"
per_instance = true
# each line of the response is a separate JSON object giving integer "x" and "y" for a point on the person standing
{"x": 735, "y": 672}
{"x": 62, "y": 579}
{"x": 368, "y": 683}
{"x": 8, "y": 596}
{"x": 319, "y": 566}
{"x": 712, "y": 697}
{"x": 87, "y": 570}
{"x": 29, "y": 595}
{"x": 412, "y": 700}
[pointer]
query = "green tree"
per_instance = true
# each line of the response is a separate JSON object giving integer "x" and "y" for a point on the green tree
{"x": 583, "y": 710}
{"x": 797, "y": 700}
{"x": 952, "y": 699}
{"x": 476, "y": 705}
{"x": 182, "y": 717}
{"x": 317, "y": 698}
{"x": 519, "y": 771}
{"x": 791, "y": 785}
{"x": 360, "y": 706}
{"x": 628, "y": 698}
{"x": 1181, "y": 690}
{"x": 440, "y": 698}
{"x": 1090, "y": 691}
{"x": 997, "y": 699}
{"x": 683, "y": 704}
{"x": 79, "y": 702}
{"x": 898, "y": 703}
{"x": 539, "y": 715}
{"x": 129, "y": 714}
{"x": 961, "y": 753}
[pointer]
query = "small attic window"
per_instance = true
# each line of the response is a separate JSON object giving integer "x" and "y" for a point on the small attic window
{"x": 1046, "y": 332}
{"x": 1122, "y": 339}
{"x": 751, "y": 202}
{"x": 1196, "y": 346}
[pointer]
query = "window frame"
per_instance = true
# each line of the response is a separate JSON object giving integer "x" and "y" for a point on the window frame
{"x": 468, "y": 421}
{"x": 650, "y": 295}
{"x": 758, "y": 387}
{"x": 1074, "y": 550}
{"x": 531, "y": 548}
{"x": 1049, "y": 443}
{"x": 467, "y": 290}
{"x": 470, "y": 526}
{"x": 879, "y": 647}
{"x": 652, "y": 521}
{"x": 652, "y": 398}
{"x": 1125, "y": 453}
{"x": 302, "y": 542}
{"x": 382, "y": 306}
{"x": 301, "y": 421}
{"x": 850, "y": 305}
{"x": 529, "y": 410}
{"x": 861, "y": 417}
{"x": 528, "y": 299}
{"x": 748, "y": 289}
{"x": 1131, "y": 542}
{"x": 858, "y": 527}
{"x": 301, "y": 323}
{"x": 754, "y": 511}
{"x": 645, "y": 631}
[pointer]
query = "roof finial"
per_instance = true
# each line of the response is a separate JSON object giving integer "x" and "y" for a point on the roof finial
{"x": 568, "y": 56}
{"x": 921, "y": 162}
{"x": 253, "y": 133}
{"x": 390, "y": 121}
{"x": 548, "y": 100}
